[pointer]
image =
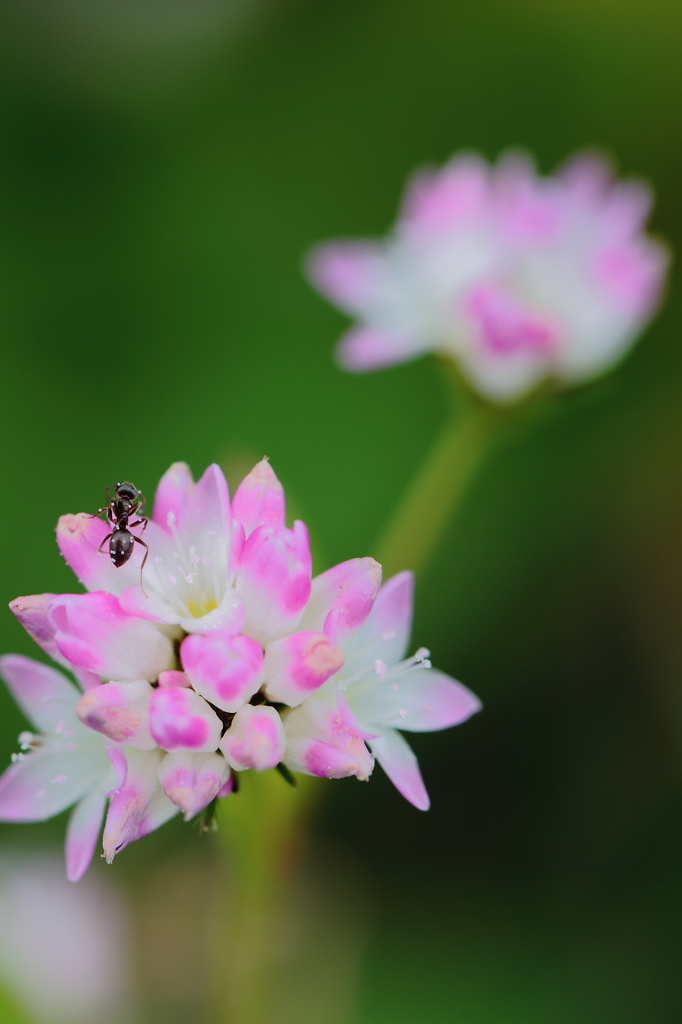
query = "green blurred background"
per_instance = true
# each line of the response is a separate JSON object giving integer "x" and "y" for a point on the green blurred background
{"x": 163, "y": 168}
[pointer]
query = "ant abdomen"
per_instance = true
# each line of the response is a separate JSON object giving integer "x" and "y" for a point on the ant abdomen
{"x": 121, "y": 547}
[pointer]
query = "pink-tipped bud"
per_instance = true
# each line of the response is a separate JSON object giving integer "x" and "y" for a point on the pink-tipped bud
{"x": 256, "y": 739}
{"x": 273, "y": 578}
{"x": 349, "y": 589}
{"x": 259, "y": 499}
{"x": 179, "y": 719}
{"x": 119, "y": 711}
{"x": 325, "y": 739}
{"x": 226, "y": 670}
{"x": 299, "y": 664}
{"x": 191, "y": 781}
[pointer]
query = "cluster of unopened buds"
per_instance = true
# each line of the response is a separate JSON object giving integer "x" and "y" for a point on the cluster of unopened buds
{"x": 514, "y": 276}
{"x": 226, "y": 656}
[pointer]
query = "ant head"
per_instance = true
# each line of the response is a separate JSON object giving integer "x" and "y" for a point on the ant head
{"x": 127, "y": 490}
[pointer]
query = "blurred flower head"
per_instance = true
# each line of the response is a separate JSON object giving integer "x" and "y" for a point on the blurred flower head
{"x": 64, "y": 952}
{"x": 183, "y": 683}
{"x": 515, "y": 276}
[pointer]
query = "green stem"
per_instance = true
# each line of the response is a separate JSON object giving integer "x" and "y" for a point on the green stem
{"x": 262, "y": 831}
{"x": 419, "y": 522}
{"x": 10, "y": 1011}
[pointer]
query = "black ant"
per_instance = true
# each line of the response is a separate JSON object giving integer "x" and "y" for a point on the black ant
{"x": 127, "y": 503}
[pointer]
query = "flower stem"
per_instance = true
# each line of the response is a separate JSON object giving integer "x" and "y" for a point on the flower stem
{"x": 10, "y": 1012}
{"x": 262, "y": 829}
{"x": 421, "y": 518}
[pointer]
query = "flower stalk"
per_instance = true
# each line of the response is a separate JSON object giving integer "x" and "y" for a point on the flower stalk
{"x": 420, "y": 519}
{"x": 263, "y": 832}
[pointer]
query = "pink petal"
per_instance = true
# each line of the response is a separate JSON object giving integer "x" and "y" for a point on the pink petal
{"x": 119, "y": 711}
{"x": 259, "y": 500}
{"x": 171, "y": 494}
{"x": 228, "y": 786}
{"x": 173, "y": 678}
{"x": 226, "y": 670}
{"x": 139, "y": 806}
{"x": 362, "y": 349}
{"x": 348, "y": 272}
{"x": 505, "y": 327}
{"x": 95, "y": 633}
{"x": 44, "y": 695}
{"x": 442, "y": 200}
{"x": 350, "y": 588}
{"x": 255, "y": 739}
{"x": 179, "y": 719}
{"x": 191, "y": 781}
{"x": 297, "y": 665}
{"x": 633, "y": 272}
{"x": 82, "y": 834}
{"x": 274, "y": 580}
{"x": 79, "y": 538}
{"x": 324, "y": 739}
{"x": 400, "y": 764}
{"x": 32, "y": 613}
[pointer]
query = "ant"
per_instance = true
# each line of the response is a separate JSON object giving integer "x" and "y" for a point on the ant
{"x": 127, "y": 503}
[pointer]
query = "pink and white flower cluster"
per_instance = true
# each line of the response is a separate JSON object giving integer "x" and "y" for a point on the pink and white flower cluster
{"x": 517, "y": 277}
{"x": 231, "y": 657}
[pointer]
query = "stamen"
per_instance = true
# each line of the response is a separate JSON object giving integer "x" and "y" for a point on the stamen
{"x": 182, "y": 554}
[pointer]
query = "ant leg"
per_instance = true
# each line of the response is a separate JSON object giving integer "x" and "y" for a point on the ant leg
{"x": 99, "y": 512}
{"x": 104, "y": 540}
{"x": 141, "y": 502}
{"x": 146, "y": 556}
{"x": 144, "y": 522}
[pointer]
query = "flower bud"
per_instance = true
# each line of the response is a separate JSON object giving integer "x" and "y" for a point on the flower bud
{"x": 256, "y": 739}
{"x": 299, "y": 664}
{"x": 191, "y": 781}
{"x": 119, "y": 711}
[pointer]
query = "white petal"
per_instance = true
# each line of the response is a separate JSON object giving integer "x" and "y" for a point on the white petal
{"x": 82, "y": 833}
{"x": 44, "y": 784}
{"x": 44, "y": 695}
{"x": 422, "y": 700}
{"x": 400, "y": 764}
{"x": 385, "y": 633}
